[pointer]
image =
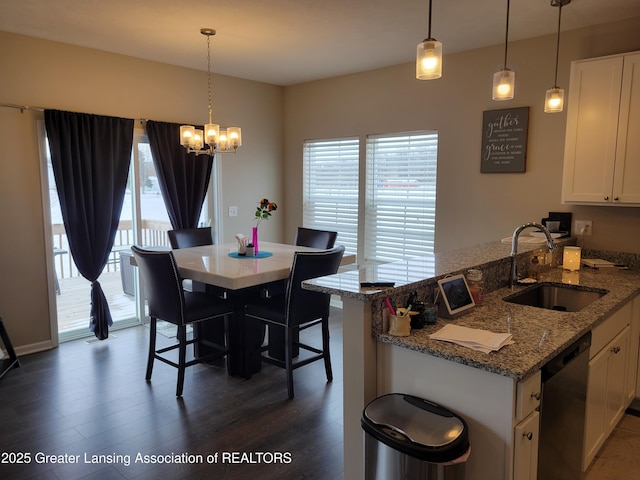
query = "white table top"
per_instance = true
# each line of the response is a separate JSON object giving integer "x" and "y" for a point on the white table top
{"x": 212, "y": 264}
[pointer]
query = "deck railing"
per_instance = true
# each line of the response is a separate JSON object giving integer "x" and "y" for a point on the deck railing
{"x": 154, "y": 233}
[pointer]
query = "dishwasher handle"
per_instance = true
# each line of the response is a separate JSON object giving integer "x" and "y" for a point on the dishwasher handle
{"x": 565, "y": 357}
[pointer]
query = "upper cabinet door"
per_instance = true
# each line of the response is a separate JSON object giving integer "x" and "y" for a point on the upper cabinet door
{"x": 592, "y": 128}
{"x": 626, "y": 187}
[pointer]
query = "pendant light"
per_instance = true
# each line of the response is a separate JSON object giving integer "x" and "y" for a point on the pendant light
{"x": 217, "y": 140}
{"x": 554, "y": 98}
{"x": 429, "y": 56}
{"x": 504, "y": 80}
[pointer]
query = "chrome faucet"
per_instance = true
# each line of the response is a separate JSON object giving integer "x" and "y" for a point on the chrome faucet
{"x": 514, "y": 247}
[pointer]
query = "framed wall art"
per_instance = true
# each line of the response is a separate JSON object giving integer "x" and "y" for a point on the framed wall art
{"x": 504, "y": 140}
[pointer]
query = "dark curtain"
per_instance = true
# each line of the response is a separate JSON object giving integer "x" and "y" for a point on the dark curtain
{"x": 90, "y": 156}
{"x": 183, "y": 177}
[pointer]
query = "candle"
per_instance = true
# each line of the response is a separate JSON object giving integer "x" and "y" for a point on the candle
{"x": 571, "y": 258}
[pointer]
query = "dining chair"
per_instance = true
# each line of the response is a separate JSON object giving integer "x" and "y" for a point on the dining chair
{"x": 197, "y": 237}
{"x": 309, "y": 237}
{"x": 190, "y": 237}
{"x": 299, "y": 309}
{"x": 168, "y": 301}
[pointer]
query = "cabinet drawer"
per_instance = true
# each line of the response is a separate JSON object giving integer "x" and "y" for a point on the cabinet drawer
{"x": 528, "y": 396}
{"x": 607, "y": 330}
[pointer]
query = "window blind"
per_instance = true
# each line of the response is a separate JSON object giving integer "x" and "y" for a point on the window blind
{"x": 330, "y": 191}
{"x": 400, "y": 207}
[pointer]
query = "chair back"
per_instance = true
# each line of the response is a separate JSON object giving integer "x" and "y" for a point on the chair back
{"x": 162, "y": 284}
{"x": 305, "y": 305}
{"x": 190, "y": 237}
{"x": 309, "y": 237}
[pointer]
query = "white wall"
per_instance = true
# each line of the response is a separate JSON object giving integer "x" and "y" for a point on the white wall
{"x": 471, "y": 207}
{"x": 53, "y": 75}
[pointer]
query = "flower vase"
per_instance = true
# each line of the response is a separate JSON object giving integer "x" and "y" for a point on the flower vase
{"x": 254, "y": 232}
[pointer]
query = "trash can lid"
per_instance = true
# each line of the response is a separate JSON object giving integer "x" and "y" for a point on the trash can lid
{"x": 416, "y": 427}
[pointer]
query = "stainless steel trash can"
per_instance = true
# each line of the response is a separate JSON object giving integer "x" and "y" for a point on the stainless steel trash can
{"x": 408, "y": 437}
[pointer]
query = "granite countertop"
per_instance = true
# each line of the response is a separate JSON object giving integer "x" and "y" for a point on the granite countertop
{"x": 539, "y": 334}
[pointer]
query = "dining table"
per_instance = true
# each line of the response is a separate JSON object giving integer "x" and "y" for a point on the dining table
{"x": 241, "y": 279}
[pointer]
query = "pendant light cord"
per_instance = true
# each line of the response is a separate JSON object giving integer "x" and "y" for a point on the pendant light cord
{"x": 506, "y": 39}
{"x": 555, "y": 80}
{"x": 430, "y": 1}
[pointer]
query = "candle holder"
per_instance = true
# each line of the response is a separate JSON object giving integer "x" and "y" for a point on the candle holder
{"x": 571, "y": 258}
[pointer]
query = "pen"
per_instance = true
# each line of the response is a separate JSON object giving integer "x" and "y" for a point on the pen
{"x": 393, "y": 312}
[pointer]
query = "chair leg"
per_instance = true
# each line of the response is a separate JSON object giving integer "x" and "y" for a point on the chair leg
{"x": 182, "y": 355}
{"x": 325, "y": 349}
{"x": 288, "y": 359}
{"x": 152, "y": 348}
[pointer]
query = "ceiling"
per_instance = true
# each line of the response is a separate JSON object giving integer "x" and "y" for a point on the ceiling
{"x": 284, "y": 42}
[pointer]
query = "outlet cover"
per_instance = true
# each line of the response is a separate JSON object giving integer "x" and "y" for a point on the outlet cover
{"x": 583, "y": 227}
{"x": 233, "y": 211}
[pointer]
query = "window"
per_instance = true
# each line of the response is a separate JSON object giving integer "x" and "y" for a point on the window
{"x": 400, "y": 196}
{"x": 330, "y": 191}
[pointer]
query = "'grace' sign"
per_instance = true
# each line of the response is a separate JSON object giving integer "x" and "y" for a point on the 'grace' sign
{"x": 504, "y": 140}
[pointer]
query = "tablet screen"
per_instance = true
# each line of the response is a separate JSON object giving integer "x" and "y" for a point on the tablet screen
{"x": 456, "y": 294}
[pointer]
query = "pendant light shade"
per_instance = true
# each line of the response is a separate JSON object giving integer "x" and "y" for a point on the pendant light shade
{"x": 504, "y": 80}
{"x": 429, "y": 56}
{"x": 504, "y": 84}
{"x": 554, "y": 98}
{"x": 429, "y": 60}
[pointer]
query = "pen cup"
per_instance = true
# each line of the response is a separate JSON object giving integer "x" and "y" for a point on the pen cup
{"x": 399, "y": 326}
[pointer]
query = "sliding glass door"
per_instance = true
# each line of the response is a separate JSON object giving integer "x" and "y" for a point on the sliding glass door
{"x": 143, "y": 221}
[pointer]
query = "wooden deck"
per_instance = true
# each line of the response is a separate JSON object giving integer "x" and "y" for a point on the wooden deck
{"x": 74, "y": 302}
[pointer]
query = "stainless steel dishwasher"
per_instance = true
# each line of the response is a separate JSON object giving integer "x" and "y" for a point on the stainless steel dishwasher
{"x": 562, "y": 413}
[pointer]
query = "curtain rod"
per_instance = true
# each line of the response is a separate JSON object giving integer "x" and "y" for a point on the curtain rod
{"x": 22, "y": 108}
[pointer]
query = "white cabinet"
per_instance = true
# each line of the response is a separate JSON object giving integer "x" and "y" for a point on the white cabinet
{"x": 634, "y": 349}
{"x": 608, "y": 383}
{"x": 525, "y": 448}
{"x": 602, "y": 147}
{"x": 527, "y": 432}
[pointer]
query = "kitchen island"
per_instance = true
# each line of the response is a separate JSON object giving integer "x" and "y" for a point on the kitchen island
{"x": 483, "y": 388}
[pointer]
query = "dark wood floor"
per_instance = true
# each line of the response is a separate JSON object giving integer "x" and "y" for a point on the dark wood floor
{"x": 90, "y": 398}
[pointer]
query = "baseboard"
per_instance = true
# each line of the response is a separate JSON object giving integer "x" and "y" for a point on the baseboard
{"x": 34, "y": 348}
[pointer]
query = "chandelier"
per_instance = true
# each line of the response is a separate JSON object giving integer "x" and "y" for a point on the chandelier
{"x": 217, "y": 140}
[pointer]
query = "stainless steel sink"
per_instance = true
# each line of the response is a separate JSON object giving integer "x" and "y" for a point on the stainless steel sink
{"x": 554, "y": 296}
